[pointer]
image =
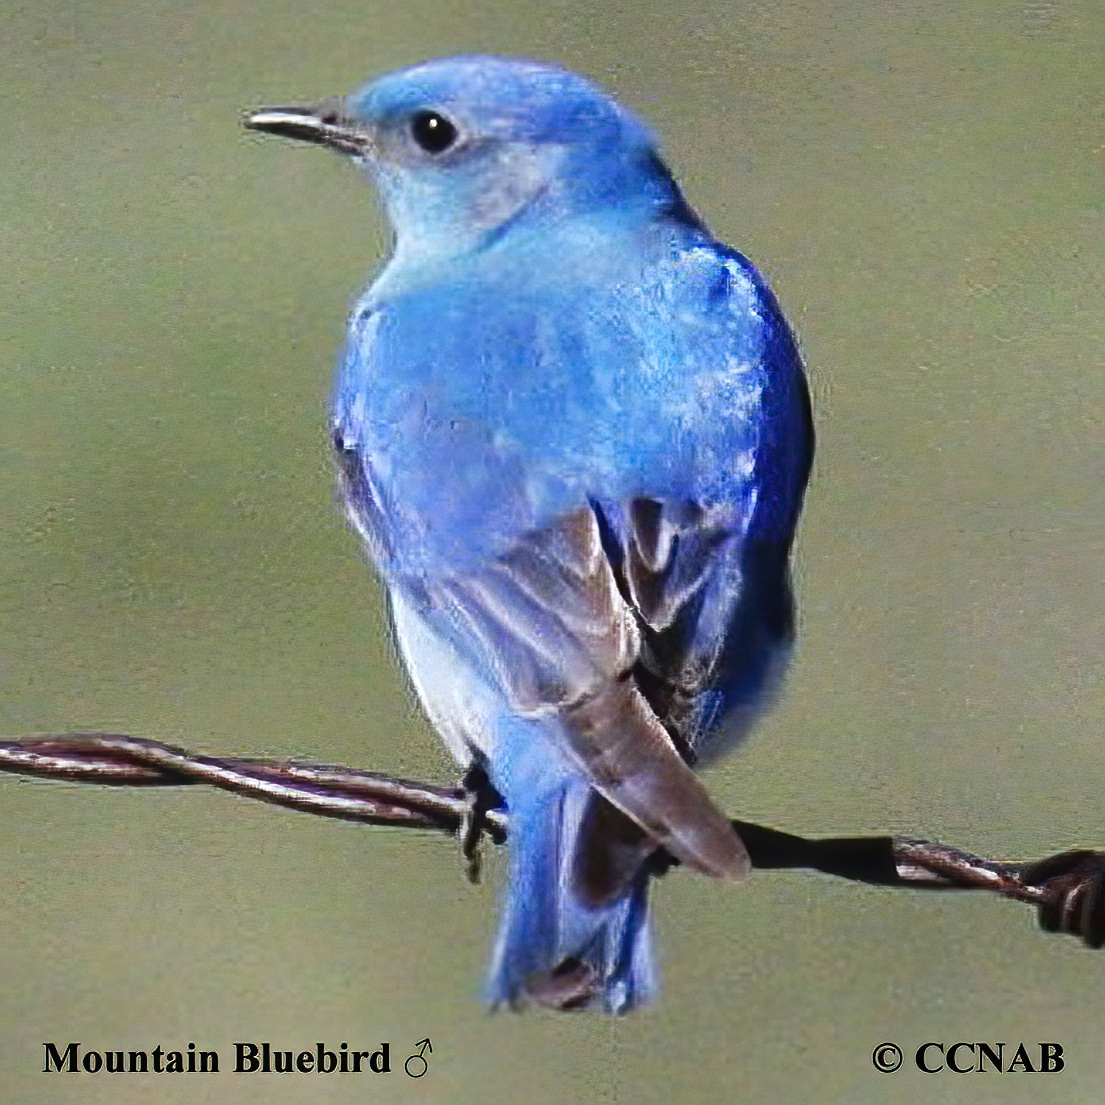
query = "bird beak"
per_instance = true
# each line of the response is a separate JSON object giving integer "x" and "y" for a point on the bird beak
{"x": 325, "y": 124}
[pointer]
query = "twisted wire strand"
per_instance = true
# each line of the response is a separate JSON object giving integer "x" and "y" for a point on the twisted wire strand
{"x": 1068, "y": 889}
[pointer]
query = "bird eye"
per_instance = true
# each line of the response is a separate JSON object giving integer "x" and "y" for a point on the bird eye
{"x": 433, "y": 132}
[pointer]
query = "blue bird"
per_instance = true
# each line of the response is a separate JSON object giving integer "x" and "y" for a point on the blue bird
{"x": 574, "y": 433}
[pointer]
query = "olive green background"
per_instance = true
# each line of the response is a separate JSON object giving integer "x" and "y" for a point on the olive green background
{"x": 923, "y": 185}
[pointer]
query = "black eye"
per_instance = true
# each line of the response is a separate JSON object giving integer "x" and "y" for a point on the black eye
{"x": 433, "y": 132}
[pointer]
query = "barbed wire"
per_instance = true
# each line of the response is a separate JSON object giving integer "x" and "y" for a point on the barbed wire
{"x": 1067, "y": 889}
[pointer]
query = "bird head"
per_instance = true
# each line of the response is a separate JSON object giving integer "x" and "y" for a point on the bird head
{"x": 466, "y": 148}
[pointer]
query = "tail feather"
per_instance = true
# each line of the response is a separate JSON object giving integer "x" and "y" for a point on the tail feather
{"x": 553, "y": 948}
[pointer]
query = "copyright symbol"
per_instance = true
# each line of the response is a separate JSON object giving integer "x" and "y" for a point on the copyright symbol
{"x": 887, "y": 1058}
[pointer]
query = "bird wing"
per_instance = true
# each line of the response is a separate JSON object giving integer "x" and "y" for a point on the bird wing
{"x": 551, "y": 620}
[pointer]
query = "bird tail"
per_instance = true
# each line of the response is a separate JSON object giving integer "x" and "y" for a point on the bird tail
{"x": 554, "y": 948}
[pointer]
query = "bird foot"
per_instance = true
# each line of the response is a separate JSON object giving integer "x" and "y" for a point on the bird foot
{"x": 482, "y": 797}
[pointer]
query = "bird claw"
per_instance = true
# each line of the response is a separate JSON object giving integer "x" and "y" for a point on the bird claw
{"x": 1074, "y": 894}
{"x": 482, "y": 797}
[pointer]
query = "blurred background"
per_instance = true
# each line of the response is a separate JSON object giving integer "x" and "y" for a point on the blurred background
{"x": 922, "y": 184}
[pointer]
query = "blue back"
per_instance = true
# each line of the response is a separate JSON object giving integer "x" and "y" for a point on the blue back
{"x": 538, "y": 384}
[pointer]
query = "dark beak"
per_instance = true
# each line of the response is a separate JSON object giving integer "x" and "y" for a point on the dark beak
{"x": 325, "y": 124}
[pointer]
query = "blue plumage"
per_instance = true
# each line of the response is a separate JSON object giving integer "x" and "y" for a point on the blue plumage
{"x": 574, "y": 432}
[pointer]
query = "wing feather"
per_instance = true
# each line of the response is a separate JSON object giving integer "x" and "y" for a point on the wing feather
{"x": 551, "y": 618}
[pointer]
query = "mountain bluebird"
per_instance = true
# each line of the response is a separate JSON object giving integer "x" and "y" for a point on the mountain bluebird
{"x": 573, "y": 430}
